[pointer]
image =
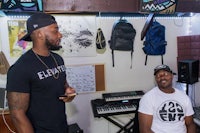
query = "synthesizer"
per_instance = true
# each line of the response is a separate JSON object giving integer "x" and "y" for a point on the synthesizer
{"x": 127, "y": 95}
{"x": 102, "y": 108}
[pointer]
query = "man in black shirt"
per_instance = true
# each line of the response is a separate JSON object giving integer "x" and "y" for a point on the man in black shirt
{"x": 37, "y": 80}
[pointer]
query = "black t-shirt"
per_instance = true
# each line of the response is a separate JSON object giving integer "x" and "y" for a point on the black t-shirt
{"x": 29, "y": 75}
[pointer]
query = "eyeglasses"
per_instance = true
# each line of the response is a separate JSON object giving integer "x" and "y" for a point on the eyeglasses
{"x": 161, "y": 74}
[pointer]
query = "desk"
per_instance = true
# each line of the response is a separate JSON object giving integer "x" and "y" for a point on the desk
{"x": 3, "y": 127}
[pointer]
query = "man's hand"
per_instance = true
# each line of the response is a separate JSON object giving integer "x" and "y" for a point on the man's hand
{"x": 69, "y": 95}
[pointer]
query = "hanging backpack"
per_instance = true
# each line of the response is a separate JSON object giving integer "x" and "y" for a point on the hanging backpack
{"x": 122, "y": 37}
{"x": 155, "y": 42}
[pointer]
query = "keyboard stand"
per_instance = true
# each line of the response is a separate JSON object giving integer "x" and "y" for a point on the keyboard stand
{"x": 131, "y": 127}
{"x": 113, "y": 121}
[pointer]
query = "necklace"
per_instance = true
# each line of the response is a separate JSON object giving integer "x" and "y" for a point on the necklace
{"x": 54, "y": 75}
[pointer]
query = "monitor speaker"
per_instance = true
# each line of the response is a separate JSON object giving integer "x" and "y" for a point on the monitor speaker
{"x": 188, "y": 71}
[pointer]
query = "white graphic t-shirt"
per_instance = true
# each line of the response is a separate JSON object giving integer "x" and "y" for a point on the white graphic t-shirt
{"x": 168, "y": 110}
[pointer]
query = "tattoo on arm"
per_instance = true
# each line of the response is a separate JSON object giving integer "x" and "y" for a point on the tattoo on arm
{"x": 18, "y": 101}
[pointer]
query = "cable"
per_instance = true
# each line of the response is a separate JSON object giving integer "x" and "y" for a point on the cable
{"x": 5, "y": 122}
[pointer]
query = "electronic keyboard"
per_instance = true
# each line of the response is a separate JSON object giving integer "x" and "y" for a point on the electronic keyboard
{"x": 118, "y": 103}
{"x": 127, "y": 95}
{"x": 102, "y": 108}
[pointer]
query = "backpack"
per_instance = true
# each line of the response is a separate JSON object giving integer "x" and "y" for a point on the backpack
{"x": 155, "y": 43}
{"x": 122, "y": 37}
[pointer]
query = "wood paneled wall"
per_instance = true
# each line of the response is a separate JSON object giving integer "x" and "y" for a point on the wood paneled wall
{"x": 91, "y": 5}
{"x": 188, "y": 48}
{"x": 131, "y": 6}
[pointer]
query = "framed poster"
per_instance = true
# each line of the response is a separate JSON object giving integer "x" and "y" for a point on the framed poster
{"x": 78, "y": 34}
{"x": 82, "y": 78}
{"x": 158, "y": 6}
{"x": 16, "y": 30}
{"x": 86, "y": 78}
{"x": 22, "y": 5}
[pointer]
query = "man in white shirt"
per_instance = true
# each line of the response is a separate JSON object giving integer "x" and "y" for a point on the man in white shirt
{"x": 165, "y": 109}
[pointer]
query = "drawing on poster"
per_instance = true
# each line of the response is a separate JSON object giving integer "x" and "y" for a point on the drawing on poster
{"x": 78, "y": 34}
{"x": 16, "y": 30}
{"x": 82, "y": 78}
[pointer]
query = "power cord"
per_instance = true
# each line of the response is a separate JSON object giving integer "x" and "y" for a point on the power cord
{"x": 5, "y": 122}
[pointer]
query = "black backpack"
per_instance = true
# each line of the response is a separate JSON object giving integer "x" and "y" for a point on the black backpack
{"x": 122, "y": 37}
{"x": 155, "y": 43}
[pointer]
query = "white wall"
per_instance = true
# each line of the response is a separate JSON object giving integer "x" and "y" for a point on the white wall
{"x": 121, "y": 77}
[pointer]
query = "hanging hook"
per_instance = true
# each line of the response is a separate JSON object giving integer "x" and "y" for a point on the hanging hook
{"x": 99, "y": 14}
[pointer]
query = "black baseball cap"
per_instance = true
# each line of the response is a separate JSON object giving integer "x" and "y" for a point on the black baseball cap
{"x": 162, "y": 67}
{"x": 36, "y": 21}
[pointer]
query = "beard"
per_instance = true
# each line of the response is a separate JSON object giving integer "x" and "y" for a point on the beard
{"x": 166, "y": 85}
{"x": 52, "y": 46}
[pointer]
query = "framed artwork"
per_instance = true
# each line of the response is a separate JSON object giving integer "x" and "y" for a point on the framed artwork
{"x": 16, "y": 30}
{"x": 158, "y": 6}
{"x": 78, "y": 34}
{"x": 82, "y": 78}
{"x": 22, "y": 5}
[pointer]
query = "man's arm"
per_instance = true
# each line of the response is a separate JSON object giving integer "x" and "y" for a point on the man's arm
{"x": 190, "y": 125}
{"x": 145, "y": 122}
{"x": 18, "y": 104}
